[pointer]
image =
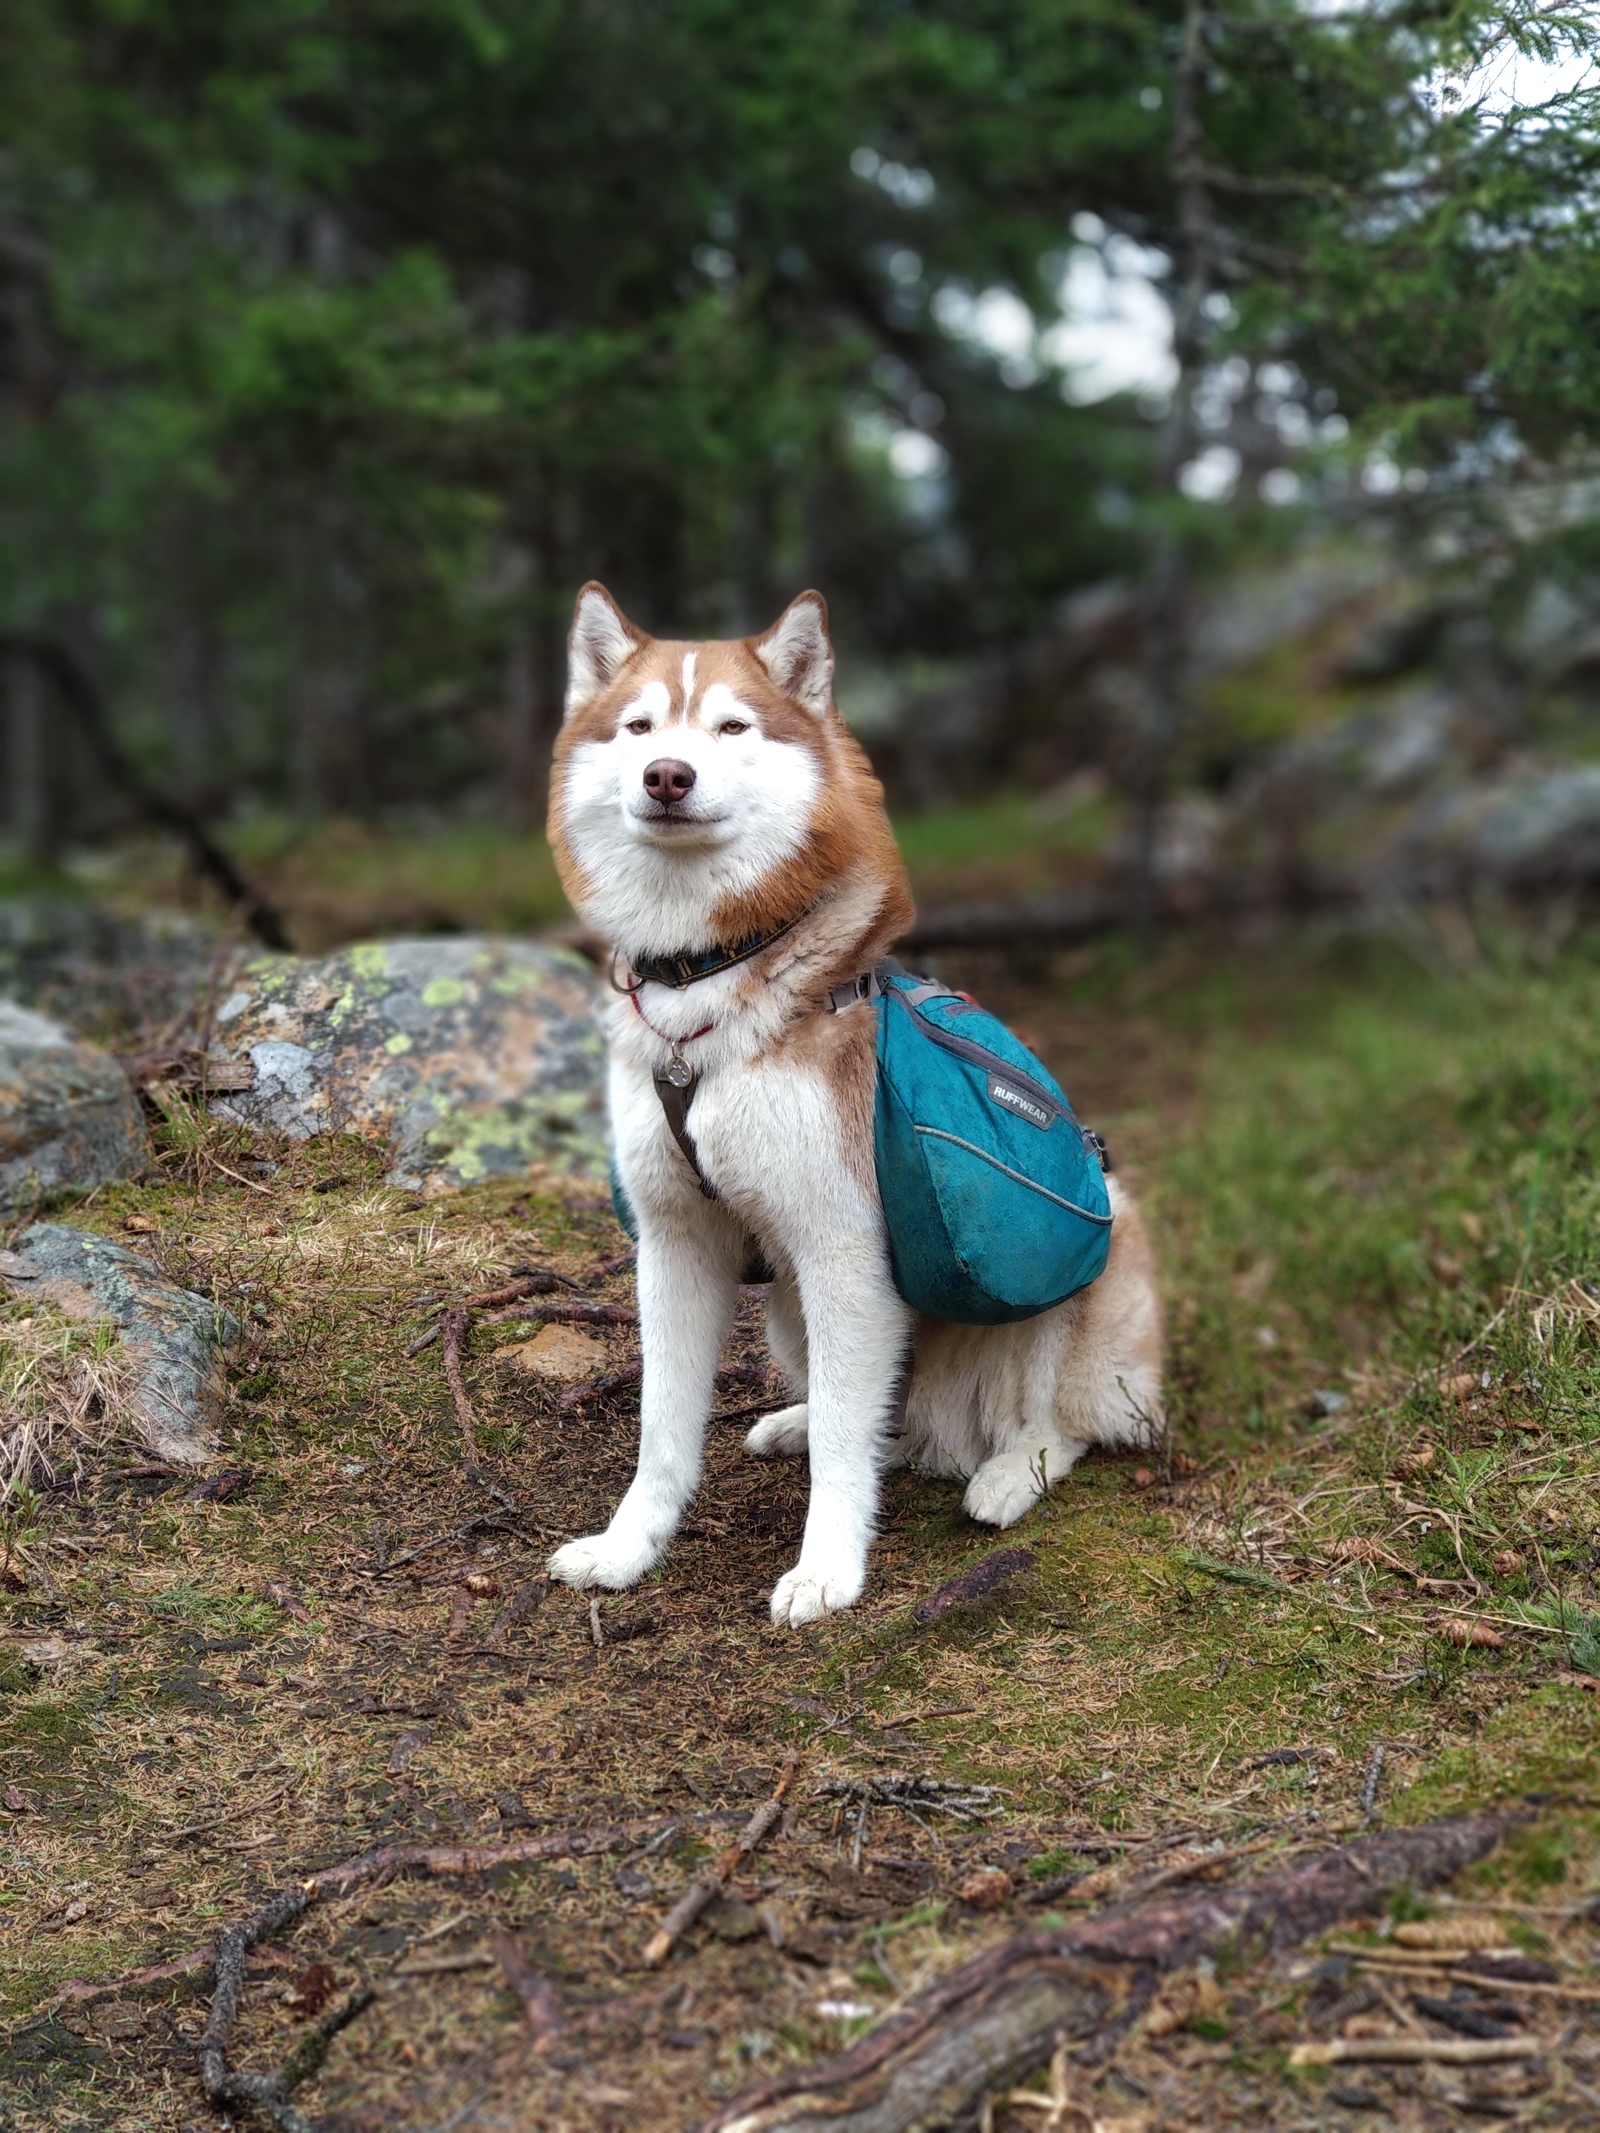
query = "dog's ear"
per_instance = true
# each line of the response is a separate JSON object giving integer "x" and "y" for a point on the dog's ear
{"x": 798, "y": 653}
{"x": 603, "y": 640}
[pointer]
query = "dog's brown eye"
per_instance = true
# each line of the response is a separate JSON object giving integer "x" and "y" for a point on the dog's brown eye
{"x": 734, "y": 725}
{"x": 638, "y": 725}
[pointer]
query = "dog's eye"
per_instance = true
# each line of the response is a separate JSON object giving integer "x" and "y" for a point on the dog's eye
{"x": 734, "y": 725}
{"x": 638, "y": 725}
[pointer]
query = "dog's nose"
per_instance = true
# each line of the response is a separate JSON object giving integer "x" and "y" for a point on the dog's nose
{"x": 668, "y": 780}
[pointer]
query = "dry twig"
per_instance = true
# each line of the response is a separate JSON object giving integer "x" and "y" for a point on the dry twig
{"x": 710, "y": 1882}
{"x": 1446, "y": 2051}
{"x": 453, "y": 1332}
{"x": 600, "y": 1388}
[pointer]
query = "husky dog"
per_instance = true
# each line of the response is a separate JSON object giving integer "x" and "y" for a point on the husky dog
{"x": 713, "y": 817}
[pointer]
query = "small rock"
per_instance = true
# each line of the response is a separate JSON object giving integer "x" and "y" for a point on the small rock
{"x": 69, "y": 1119}
{"x": 732, "y": 1919}
{"x": 406, "y": 1747}
{"x": 560, "y": 1353}
{"x": 1325, "y": 1401}
{"x": 987, "y": 1889}
{"x": 16, "y": 1800}
{"x": 175, "y": 1337}
{"x": 634, "y": 1883}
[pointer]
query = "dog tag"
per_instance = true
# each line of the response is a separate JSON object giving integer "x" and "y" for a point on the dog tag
{"x": 679, "y": 1073}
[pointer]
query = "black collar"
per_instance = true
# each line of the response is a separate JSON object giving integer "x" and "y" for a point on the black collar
{"x": 686, "y": 969}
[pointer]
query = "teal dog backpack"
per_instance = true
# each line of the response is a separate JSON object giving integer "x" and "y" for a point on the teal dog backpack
{"x": 994, "y": 1195}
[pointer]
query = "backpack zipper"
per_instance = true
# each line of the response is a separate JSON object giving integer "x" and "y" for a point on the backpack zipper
{"x": 979, "y": 1055}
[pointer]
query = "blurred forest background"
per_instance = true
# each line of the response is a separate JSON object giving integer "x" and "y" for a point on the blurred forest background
{"x": 1188, "y": 411}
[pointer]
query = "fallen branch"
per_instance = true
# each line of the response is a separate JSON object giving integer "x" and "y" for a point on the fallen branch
{"x": 79, "y": 1992}
{"x": 577, "y": 1314}
{"x": 233, "y": 1814}
{"x": 998, "y": 2018}
{"x": 453, "y": 1331}
{"x": 485, "y": 1522}
{"x": 522, "y": 1602}
{"x": 973, "y": 1583}
{"x": 710, "y": 1882}
{"x": 918, "y": 1796}
{"x": 267, "y": 2093}
{"x": 598, "y": 1388}
{"x": 385, "y": 1861}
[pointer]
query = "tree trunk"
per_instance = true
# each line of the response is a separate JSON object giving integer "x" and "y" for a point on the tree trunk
{"x": 1165, "y": 633}
{"x": 31, "y": 813}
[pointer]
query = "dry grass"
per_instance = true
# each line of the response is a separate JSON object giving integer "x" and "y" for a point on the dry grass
{"x": 63, "y": 1386}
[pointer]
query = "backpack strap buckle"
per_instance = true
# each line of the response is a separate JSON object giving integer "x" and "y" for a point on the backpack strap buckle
{"x": 864, "y": 986}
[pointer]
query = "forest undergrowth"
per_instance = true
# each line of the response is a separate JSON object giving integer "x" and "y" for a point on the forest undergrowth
{"x": 1359, "y": 1583}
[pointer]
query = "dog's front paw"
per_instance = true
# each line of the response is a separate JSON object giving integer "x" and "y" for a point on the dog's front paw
{"x": 1004, "y": 1489}
{"x": 805, "y": 1596}
{"x": 599, "y": 1560}
{"x": 779, "y": 1436}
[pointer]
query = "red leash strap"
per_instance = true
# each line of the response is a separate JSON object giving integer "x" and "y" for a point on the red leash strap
{"x": 704, "y": 1030}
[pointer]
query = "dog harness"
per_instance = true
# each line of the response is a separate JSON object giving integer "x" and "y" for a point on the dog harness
{"x": 993, "y": 1195}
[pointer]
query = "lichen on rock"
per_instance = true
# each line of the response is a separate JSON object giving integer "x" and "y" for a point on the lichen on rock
{"x": 474, "y": 1058}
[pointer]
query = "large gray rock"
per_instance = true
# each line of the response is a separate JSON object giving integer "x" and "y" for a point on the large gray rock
{"x": 473, "y": 1058}
{"x": 1528, "y": 828}
{"x": 106, "y": 975}
{"x": 68, "y": 1116}
{"x": 174, "y": 1337}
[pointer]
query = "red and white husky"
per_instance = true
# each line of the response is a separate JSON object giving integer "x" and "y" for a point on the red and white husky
{"x": 713, "y": 817}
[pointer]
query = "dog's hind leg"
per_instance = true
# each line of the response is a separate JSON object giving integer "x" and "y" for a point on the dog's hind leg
{"x": 687, "y": 1285}
{"x": 782, "y": 1435}
{"x": 1007, "y": 1486}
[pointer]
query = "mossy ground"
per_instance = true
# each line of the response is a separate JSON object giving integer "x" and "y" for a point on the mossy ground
{"x": 1374, "y": 1192}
